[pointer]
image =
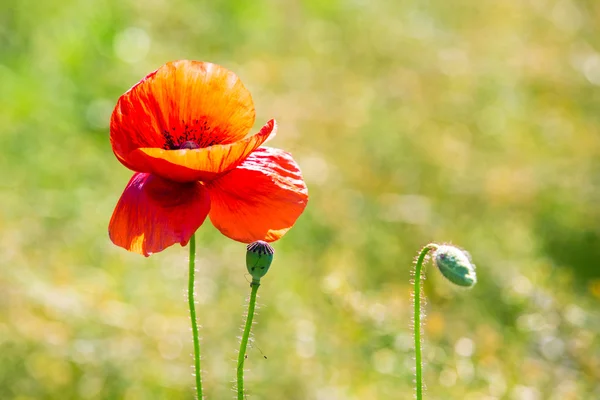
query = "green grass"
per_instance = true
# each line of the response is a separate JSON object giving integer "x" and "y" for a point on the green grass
{"x": 475, "y": 122}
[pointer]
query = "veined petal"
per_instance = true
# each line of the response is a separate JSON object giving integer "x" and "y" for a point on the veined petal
{"x": 153, "y": 213}
{"x": 182, "y": 101}
{"x": 188, "y": 165}
{"x": 261, "y": 199}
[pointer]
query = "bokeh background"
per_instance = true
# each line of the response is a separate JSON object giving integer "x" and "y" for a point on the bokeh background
{"x": 470, "y": 122}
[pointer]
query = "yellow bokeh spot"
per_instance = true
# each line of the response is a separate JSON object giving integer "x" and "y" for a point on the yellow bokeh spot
{"x": 594, "y": 288}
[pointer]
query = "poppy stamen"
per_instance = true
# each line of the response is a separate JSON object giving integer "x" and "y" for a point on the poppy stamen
{"x": 169, "y": 142}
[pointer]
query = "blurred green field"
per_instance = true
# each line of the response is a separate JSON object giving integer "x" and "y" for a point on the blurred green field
{"x": 471, "y": 122}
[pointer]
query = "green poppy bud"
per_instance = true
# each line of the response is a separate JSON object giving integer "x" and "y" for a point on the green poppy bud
{"x": 259, "y": 256}
{"x": 455, "y": 265}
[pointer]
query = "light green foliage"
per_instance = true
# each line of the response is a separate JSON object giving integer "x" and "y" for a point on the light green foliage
{"x": 475, "y": 122}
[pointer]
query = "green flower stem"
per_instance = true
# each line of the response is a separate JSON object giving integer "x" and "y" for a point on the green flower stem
{"x": 242, "y": 354}
{"x": 417, "y": 318}
{"x": 191, "y": 302}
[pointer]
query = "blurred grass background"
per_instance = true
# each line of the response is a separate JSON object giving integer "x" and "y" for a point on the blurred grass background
{"x": 471, "y": 122}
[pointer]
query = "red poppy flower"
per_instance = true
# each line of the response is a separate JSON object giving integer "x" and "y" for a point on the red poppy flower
{"x": 182, "y": 130}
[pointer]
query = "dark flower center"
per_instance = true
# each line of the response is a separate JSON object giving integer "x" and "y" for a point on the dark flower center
{"x": 190, "y": 144}
{"x": 190, "y": 135}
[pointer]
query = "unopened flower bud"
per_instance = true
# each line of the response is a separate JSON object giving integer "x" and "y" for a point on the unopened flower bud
{"x": 455, "y": 265}
{"x": 259, "y": 256}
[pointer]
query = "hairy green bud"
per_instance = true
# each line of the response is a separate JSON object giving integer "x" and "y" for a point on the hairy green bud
{"x": 259, "y": 256}
{"x": 455, "y": 264}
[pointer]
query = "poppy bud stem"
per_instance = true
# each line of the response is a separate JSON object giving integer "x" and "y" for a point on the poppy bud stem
{"x": 417, "y": 318}
{"x": 259, "y": 256}
{"x": 192, "y": 305}
{"x": 244, "y": 344}
{"x": 456, "y": 266}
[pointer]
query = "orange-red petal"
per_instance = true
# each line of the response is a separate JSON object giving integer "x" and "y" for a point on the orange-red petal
{"x": 259, "y": 200}
{"x": 188, "y": 165}
{"x": 154, "y": 213}
{"x": 182, "y": 100}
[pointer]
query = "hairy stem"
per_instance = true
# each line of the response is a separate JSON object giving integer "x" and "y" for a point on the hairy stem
{"x": 192, "y": 305}
{"x": 244, "y": 344}
{"x": 417, "y": 318}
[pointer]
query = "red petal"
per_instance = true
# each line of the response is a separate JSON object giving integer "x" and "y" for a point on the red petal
{"x": 188, "y": 165}
{"x": 182, "y": 100}
{"x": 153, "y": 214}
{"x": 259, "y": 200}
